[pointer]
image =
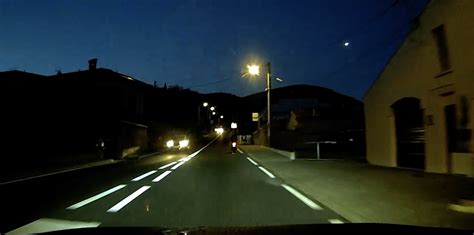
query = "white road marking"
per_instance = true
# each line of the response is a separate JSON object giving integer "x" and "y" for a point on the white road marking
{"x": 128, "y": 199}
{"x": 48, "y": 225}
{"x": 63, "y": 171}
{"x": 167, "y": 165}
{"x": 302, "y": 198}
{"x": 197, "y": 152}
{"x": 240, "y": 151}
{"x": 144, "y": 175}
{"x": 335, "y": 221}
{"x": 184, "y": 159}
{"x": 266, "y": 172}
{"x": 96, "y": 197}
{"x": 250, "y": 159}
{"x": 177, "y": 165}
{"x": 160, "y": 177}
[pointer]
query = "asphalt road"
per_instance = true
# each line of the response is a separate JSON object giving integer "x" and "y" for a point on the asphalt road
{"x": 210, "y": 187}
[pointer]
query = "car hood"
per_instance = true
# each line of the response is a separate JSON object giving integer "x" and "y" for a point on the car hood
{"x": 278, "y": 229}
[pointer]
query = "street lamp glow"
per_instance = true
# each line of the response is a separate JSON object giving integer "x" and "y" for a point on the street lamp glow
{"x": 222, "y": 116}
{"x": 213, "y": 108}
{"x": 346, "y": 44}
{"x": 213, "y": 113}
{"x": 205, "y": 104}
{"x": 253, "y": 69}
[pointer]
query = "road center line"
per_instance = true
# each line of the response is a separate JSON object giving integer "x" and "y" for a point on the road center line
{"x": 96, "y": 197}
{"x": 128, "y": 199}
{"x": 177, "y": 165}
{"x": 240, "y": 151}
{"x": 144, "y": 175}
{"x": 160, "y": 177}
{"x": 302, "y": 198}
{"x": 250, "y": 159}
{"x": 335, "y": 221}
{"x": 167, "y": 165}
{"x": 266, "y": 172}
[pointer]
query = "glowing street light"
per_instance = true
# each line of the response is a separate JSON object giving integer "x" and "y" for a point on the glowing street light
{"x": 222, "y": 116}
{"x": 213, "y": 113}
{"x": 346, "y": 44}
{"x": 213, "y": 108}
{"x": 205, "y": 104}
{"x": 253, "y": 69}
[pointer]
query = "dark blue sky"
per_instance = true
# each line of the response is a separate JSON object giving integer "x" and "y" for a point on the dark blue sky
{"x": 205, "y": 44}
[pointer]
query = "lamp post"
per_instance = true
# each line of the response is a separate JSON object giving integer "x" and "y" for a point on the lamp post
{"x": 255, "y": 70}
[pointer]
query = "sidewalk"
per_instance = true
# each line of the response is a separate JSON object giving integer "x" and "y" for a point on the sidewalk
{"x": 366, "y": 193}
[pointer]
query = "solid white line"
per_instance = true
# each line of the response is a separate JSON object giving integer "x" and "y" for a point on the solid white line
{"x": 128, "y": 199}
{"x": 177, "y": 165}
{"x": 250, "y": 159}
{"x": 49, "y": 225}
{"x": 197, "y": 152}
{"x": 96, "y": 197}
{"x": 240, "y": 151}
{"x": 184, "y": 159}
{"x": 144, "y": 175}
{"x": 302, "y": 198}
{"x": 167, "y": 165}
{"x": 151, "y": 154}
{"x": 63, "y": 171}
{"x": 160, "y": 177}
{"x": 335, "y": 221}
{"x": 266, "y": 172}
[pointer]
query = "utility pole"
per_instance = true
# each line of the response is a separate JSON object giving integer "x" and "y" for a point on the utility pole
{"x": 269, "y": 87}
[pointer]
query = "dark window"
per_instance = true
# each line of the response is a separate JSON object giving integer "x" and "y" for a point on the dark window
{"x": 450, "y": 113}
{"x": 439, "y": 34}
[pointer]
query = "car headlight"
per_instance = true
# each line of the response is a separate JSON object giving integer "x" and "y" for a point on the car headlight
{"x": 183, "y": 143}
{"x": 170, "y": 143}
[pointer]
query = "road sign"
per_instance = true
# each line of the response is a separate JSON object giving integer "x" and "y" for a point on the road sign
{"x": 254, "y": 117}
{"x": 233, "y": 125}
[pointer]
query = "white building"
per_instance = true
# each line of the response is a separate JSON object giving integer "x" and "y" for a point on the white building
{"x": 420, "y": 111}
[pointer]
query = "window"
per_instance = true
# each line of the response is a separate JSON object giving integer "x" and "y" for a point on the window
{"x": 439, "y": 34}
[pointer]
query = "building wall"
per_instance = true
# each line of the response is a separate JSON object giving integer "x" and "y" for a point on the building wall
{"x": 414, "y": 71}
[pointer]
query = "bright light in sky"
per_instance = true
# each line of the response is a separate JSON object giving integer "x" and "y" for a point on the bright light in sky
{"x": 253, "y": 69}
{"x": 346, "y": 44}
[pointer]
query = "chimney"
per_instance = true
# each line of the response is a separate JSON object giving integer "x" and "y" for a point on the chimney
{"x": 92, "y": 64}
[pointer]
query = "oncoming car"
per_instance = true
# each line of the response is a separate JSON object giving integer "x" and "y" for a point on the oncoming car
{"x": 177, "y": 142}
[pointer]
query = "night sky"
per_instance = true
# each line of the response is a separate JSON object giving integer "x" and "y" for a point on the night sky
{"x": 205, "y": 44}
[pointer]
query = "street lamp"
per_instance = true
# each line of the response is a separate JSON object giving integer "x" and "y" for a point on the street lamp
{"x": 255, "y": 70}
{"x": 213, "y": 113}
{"x": 222, "y": 116}
{"x": 205, "y": 104}
{"x": 212, "y": 108}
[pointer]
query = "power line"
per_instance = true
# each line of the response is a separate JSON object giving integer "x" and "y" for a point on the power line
{"x": 211, "y": 83}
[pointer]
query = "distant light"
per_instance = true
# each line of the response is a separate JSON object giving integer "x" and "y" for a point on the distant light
{"x": 233, "y": 125}
{"x": 213, "y": 113}
{"x": 346, "y": 44}
{"x": 219, "y": 130}
{"x": 279, "y": 79}
{"x": 212, "y": 108}
{"x": 127, "y": 77}
{"x": 253, "y": 69}
{"x": 183, "y": 143}
{"x": 170, "y": 143}
{"x": 205, "y": 104}
{"x": 351, "y": 139}
{"x": 222, "y": 116}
